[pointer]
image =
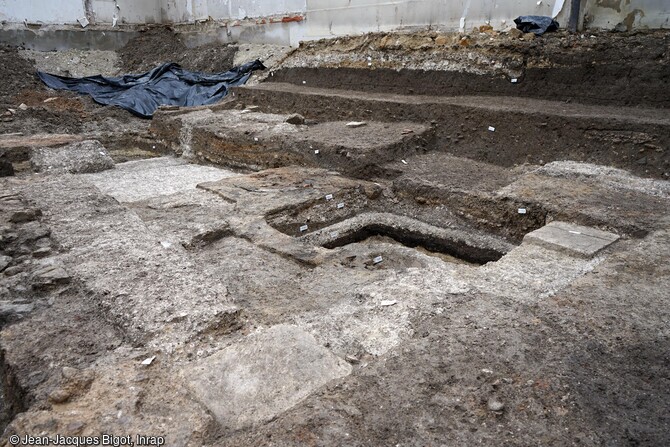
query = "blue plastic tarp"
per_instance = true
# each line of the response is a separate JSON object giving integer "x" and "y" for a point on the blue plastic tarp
{"x": 168, "y": 84}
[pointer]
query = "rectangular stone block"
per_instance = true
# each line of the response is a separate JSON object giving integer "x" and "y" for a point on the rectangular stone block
{"x": 575, "y": 240}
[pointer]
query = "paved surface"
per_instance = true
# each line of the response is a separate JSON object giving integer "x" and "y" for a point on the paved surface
{"x": 143, "y": 179}
{"x": 573, "y": 239}
{"x": 263, "y": 376}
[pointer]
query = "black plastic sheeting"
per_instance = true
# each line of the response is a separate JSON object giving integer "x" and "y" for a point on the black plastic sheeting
{"x": 536, "y": 24}
{"x": 168, "y": 84}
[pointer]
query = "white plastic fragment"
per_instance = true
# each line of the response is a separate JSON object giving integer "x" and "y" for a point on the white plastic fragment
{"x": 255, "y": 138}
{"x": 461, "y": 25}
{"x": 303, "y": 228}
{"x": 329, "y": 197}
{"x": 356, "y": 124}
{"x": 340, "y": 205}
{"x": 166, "y": 244}
{"x": 148, "y": 361}
{"x": 492, "y": 129}
{"x": 377, "y": 260}
{"x": 575, "y": 232}
{"x": 522, "y": 210}
{"x": 514, "y": 80}
{"x": 83, "y": 22}
{"x": 316, "y": 152}
{"x": 304, "y": 82}
{"x": 388, "y": 303}
{"x": 334, "y": 234}
{"x": 403, "y": 162}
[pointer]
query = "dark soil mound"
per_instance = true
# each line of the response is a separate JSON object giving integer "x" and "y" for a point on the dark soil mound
{"x": 159, "y": 45}
{"x": 17, "y": 74}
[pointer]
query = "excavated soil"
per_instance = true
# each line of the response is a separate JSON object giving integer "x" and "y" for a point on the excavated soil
{"x": 596, "y": 68}
{"x": 119, "y": 286}
{"x": 17, "y": 74}
{"x": 157, "y": 46}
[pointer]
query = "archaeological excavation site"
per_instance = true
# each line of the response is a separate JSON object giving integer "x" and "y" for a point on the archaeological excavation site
{"x": 347, "y": 223}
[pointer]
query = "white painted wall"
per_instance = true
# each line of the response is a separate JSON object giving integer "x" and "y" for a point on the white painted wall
{"x": 178, "y": 11}
{"x": 338, "y": 17}
{"x": 44, "y": 11}
{"x": 640, "y": 13}
{"x": 68, "y": 11}
{"x": 137, "y": 11}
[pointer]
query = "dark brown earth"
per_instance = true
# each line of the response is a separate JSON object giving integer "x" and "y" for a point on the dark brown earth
{"x": 595, "y": 68}
{"x": 17, "y": 74}
{"x": 157, "y": 46}
{"x": 526, "y": 130}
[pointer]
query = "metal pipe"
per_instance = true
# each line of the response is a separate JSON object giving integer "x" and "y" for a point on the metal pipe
{"x": 573, "y": 21}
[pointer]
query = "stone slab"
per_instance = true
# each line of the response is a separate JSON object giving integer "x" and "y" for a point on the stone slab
{"x": 573, "y": 239}
{"x": 84, "y": 157}
{"x": 262, "y": 376}
{"x": 143, "y": 179}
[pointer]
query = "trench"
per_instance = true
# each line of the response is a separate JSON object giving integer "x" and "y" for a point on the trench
{"x": 416, "y": 239}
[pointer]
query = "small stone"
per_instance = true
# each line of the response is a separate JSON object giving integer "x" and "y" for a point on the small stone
{"x": 351, "y": 359}
{"x": 496, "y": 405}
{"x": 25, "y": 215}
{"x": 296, "y": 119}
{"x": 69, "y": 372}
{"x": 42, "y": 252}
{"x": 59, "y": 396}
{"x": 372, "y": 192}
{"x": 51, "y": 274}
{"x": 23, "y": 107}
{"x": 386, "y": 42}
{"x": 6, "y": 168}
{"x": 4, "y": 262}
{"x": 441, "y": 40}
{"x": 620, "y": 27}
{"x": 14, "y": 270}
{"x": 642, "y": 161}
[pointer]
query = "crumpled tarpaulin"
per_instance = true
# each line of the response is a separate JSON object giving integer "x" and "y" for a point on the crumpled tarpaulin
{"x": 168, "y": 84}
{"x": 536, "y": 24}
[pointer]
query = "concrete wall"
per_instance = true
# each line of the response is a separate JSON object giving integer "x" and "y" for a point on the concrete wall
{"x": 45, "y": 11}
{"x": 179, "y": 11}
{"x": 627, "y": 14}
{"x": 325, "y": 18}
{"x": 339, "y": 17}
{"x": 137, "y": 11}
{"x": 68, "y": 11}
